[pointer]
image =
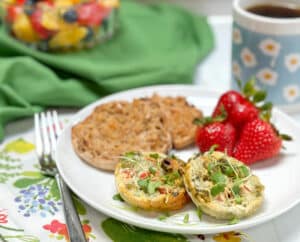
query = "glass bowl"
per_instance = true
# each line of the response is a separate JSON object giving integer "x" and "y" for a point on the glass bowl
{"x": 60, "y": 25}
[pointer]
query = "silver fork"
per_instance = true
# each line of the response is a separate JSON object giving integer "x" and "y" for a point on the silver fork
{"x": 47, "y": 130}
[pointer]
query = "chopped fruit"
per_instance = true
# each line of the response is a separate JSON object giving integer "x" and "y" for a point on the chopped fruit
{"x": 13, "y": 12}
{"x": 50, "y": 21}
{"x": 68, "y": 37}
{"x": 70, "y": 16}
{"x": 23, "y": 29}
{"x": 20, "y": 2}
{"x": 49, "y": 2}
{"x": 221, "y": 134}
{"x": 49, "y": 24}
{"x": 63, "y": 3}
{"x": 45, "y": 5}
{"x": 110, "y": 3}
{"x": 36, "y": 18}
{"x": 258, "y": 140}
{"x": 29, "y": 3}
{"x": 92, "y": 14}
{"x": 89, "y": 34}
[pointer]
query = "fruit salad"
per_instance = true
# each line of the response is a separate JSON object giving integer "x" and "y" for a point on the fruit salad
{"x": 59, "y": 25}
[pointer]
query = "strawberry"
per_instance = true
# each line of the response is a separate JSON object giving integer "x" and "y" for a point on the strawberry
{"x": 227, "y": 101}
{"x": 258, "y": 140}
{"x": 92, "y": 14}
{"x": 242, "y": 107}
{"x": 12, "y": 12}
{"x": 221, "y": 134}
{"x": 242, "y": 113}
{"x": 20, "y": 2}
{"x": 36, "y": 21}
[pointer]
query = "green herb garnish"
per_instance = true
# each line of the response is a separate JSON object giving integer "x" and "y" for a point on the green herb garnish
{"x": 227, "y": 170}
{"x": 210, "y": 167}
{"x": 170, "y": 178}
{"x": 148, "y": 186}
{"x": 152, "y": 186}
{"x": 129, "y": 158}
{"x": 233, "y": 221}
{"x": 217, "y": 189}
{"x": 243, "y": 171}
{"x": 131, "y": 154}
{"x": 186, "y": 218}
{"x": 152, "y": 170}
{"x": 199, "y": 213}
{"x": 213, "y": 148}
{"x": 218, "y": 177}
{"x": 236, "y": 189}
{"x": 117, "y": 197}
{"x": 154, "y": 155}
{"x": 238, "y": 200}
{"x": 163, "y": 217}
{"x": 143, "y": 183}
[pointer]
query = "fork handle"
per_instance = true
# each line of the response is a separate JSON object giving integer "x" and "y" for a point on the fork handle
{"x": 75, "y": 231}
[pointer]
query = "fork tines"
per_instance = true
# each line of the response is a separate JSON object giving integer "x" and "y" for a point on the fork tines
{"x": 47, "y": 129}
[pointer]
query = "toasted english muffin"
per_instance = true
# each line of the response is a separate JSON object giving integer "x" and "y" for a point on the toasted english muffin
{"x": 178, "y": 119}
{"x": 222, "y": 186}
{"x": 151, "y": 181}
{"x": 117, "y": 127}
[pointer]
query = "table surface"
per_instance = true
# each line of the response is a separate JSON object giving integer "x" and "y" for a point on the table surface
{"x": 213, "y": 73}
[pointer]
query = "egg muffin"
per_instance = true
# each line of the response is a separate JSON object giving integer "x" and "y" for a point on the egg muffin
{"x": 221, "y": 186}
{"x": 151, "y": 181}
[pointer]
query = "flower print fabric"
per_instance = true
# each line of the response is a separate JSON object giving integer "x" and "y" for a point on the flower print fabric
{"x": 3, "y": 216}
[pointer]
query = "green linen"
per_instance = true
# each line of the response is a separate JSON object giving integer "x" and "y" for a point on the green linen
{"x": 155, "y": 44}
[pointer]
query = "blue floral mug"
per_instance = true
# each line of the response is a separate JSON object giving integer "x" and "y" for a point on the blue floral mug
{"x": 269, "y": 50}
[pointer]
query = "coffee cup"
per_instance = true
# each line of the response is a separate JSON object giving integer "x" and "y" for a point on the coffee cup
{"x": 267, "y": 47}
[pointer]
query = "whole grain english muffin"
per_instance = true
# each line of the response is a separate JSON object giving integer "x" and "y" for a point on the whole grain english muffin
{"x": 179, "y": 117}
{"x": 151, "y": 181}
{"x": 222, "y": 186}
{"x": 115, "y": 128}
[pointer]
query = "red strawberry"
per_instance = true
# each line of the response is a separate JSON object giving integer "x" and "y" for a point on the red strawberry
{"x": 242, "y": 113}
{"x": 217, "y": 133}
{"x": 20, "y": 2}
{"x": 242, "y": 107}
{"x": 36, "y": 18}
{"x": 91, "y": 14}
{"x": 227, "y": 101}
{"x": 13, "y": 12}
{"x": 259, "y": 140}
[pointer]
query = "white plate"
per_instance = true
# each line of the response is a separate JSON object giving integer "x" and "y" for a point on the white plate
{"x": 280, "y": 175}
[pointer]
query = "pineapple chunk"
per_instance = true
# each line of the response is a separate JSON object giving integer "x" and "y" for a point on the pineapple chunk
{"x": 23, "y": 29}
{"x": 70, "y": 37}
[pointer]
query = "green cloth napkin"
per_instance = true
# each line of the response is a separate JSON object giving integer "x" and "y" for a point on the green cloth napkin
{"x": 154, "y": 45}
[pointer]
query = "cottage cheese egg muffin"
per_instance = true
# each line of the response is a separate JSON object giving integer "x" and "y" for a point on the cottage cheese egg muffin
{"x": 151, "y": 181}
{"x": 222, "y": 186}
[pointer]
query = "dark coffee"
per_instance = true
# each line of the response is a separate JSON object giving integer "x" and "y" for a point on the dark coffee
{"x": 275, "y": 11}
